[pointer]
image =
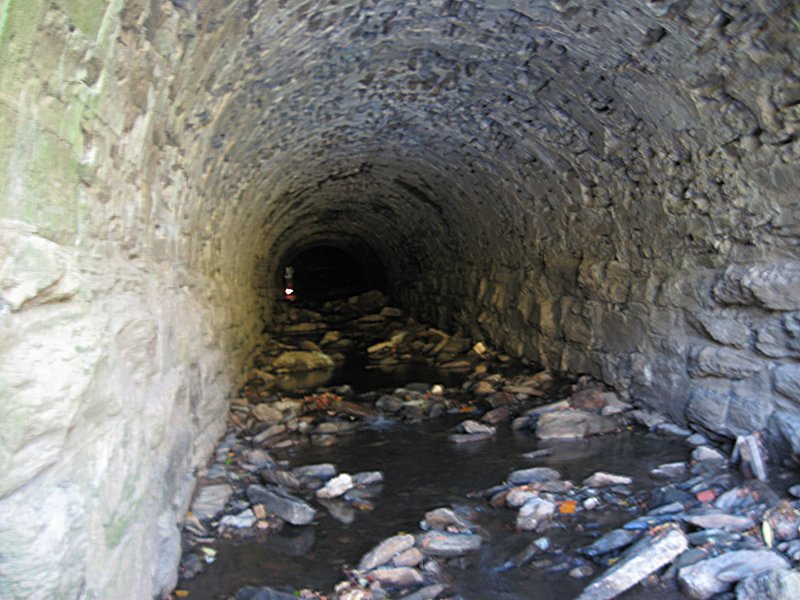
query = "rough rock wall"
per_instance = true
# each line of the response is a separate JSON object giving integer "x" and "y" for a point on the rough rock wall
{"x": 120, "y": 339}
{"x": 667, "y": 264}
{"x": 602, "y": 187}
{"x": 574, "y": 181}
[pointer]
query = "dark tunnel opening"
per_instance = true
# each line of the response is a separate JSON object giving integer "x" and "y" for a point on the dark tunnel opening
{"x": 321, "y": 273}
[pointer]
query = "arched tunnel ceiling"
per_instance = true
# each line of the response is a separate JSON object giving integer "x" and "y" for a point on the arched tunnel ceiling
{"x": 565, "y": 178}
{"x": 403, "y": 121}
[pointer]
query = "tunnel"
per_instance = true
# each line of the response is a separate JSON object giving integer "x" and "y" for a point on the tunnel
{"x": 322, "y": 272}
{"x": 601, "y": 188}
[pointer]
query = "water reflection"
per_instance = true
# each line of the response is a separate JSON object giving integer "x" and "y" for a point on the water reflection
{"x": 424, "y": 471}
{"x": 362, "y": 377}
{"x": 305, "y": 380}
{"x": 293, "y": 541}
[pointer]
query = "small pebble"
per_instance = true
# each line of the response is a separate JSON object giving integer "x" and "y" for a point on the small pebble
{"x": 591, "y": 503}
{"x": 581, "y": 572}
{"x": 696, "y": 439}
{"x": 542, "y": 543}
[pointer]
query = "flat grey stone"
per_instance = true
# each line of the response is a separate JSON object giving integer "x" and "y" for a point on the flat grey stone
{"x": 603, "y": 479}
{"x": 572, "y": 424}
{"x": 469, "y": 438}
{"x": 673, "y": 430}
{"x": 258, "y": 457}
{"x": 289, "y": 508}
{"x": 299, "y": 360}
{"x": 266, "y": 413}
{"x": 412, "y": 557}
{"x": 720, "y": 520}
{"x": 707, "y": 453}
{"x": 385, "y": 551}
{"x": 639, "y": 561}
{"x": 448, "y": 545}
{"x": 397, "y": 577}
{"x": 712, "y": 576}
{"x": 444, "y": 519}
{"x": 335, "y": 428}
{"x": 336, "y": 486}
{"x": 269, "y": 432}
{"x": 667, "y": 509}
{"x": 368, "y": 478}
{"x": 210, "y": 500}
{"x": 519, "y": 496}
{"x": 613, "y": 540}
{"x": 534, "y": 512}
{"x": 647, "y": 418}
{"x": 318, "y": 471}
{"x": 669, "y": 470}
{"x": 713, "y": 536}
{"x": 286, "y": 479}
{"x": 538, "y": 474}
{"x": 243, "y": 520}
{"x": 771, "y": 585}
{"x": 389, "y": 403}
{"x": 429, "y": 592}
{"x": 471, "y": 427}
{"x": 697, "y": 439}
{"x": 537, "y": 454}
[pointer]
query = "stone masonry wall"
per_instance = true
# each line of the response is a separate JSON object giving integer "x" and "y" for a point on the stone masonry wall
{"x": 120, "y": 340}
{"x": 602, "y": 187}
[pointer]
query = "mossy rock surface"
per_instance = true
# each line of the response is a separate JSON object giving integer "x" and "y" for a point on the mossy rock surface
{"x": 303, "y": 361}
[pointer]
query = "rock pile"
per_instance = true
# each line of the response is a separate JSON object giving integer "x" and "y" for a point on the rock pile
{"x": 307, "y": 340}
{"x": 411, "y": 566}
{"x": 700, "y": 528}
{"x": 248, "y": 492}
{"x": 698, "y": 524}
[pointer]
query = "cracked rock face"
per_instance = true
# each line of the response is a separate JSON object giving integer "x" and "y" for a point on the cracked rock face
{"x": 602, "y": 189}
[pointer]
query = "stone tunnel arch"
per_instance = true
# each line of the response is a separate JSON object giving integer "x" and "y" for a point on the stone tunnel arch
{"x": 603, "y": 189}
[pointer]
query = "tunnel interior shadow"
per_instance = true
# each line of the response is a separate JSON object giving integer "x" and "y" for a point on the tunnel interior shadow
{"x": 325, "y": 272}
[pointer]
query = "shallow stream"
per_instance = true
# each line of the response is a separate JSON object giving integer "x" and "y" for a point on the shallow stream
{"x": 423, "y": 471}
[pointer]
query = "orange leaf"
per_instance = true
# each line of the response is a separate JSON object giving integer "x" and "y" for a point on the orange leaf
{"x": 567, "y": 507}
